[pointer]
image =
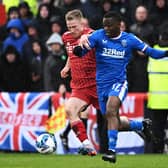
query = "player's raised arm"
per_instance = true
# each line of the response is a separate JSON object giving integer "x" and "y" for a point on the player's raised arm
{"x": 155, "y": 53}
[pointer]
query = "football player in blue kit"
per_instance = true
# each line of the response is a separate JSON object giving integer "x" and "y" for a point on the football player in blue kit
{"x": 113, "y": 53}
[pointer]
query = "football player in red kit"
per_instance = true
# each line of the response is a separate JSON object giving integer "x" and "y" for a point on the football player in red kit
{"x": 83, "y": 82}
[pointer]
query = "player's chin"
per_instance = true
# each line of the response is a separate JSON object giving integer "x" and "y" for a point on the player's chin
{"x": 111, "y": 35}
{"x": 108, "y": 34}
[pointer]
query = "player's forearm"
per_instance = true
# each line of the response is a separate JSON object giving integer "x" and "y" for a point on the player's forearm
{"x": 68, "y": 63}
{"x": 155, "y": 53}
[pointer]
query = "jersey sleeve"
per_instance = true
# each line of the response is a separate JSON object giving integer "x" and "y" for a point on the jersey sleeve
{"x": 155, "y": 53}
{"x": 142, "y": 46}
{"x": 138, "y": 44}
{"x": 92, "y": 39}
{"x": 92, "y": 43}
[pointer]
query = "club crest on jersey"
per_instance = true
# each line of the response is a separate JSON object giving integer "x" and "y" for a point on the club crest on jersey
{"x": 124, "y": 43}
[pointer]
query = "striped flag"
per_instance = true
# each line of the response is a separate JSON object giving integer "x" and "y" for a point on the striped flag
{"x": 22, "y": 119}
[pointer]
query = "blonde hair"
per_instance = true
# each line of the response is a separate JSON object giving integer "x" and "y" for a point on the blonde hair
{"x": 74, "y": 14}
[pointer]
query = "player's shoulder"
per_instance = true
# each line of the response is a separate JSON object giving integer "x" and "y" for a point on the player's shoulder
{"x": 99, "y": 32}
{"x": 128, "y": 36}
{"x": 88, "y": 30}
{"x": 66, "y": 35}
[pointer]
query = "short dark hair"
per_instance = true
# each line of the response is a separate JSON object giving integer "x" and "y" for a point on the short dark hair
{"x": 113, "y": 15}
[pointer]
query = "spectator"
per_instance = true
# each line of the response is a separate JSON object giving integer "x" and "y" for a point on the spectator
{"x": 33, "y": 34}
{"x": 121, "y": 7}
{"x": 37, "y": 66}
{"x": 93, "y": 11}
{"x": 55, "y": 11}
{"x": 158, "y": 14}
{"x": 132, "y": 5}
{"x": 54, "y": 63}
{"x": 71, "y": 4}
{"x": 124, "y": 25}
{"x": 13, "y": 13}
{"x": 43, "y": 22}
{"x": 106, "y": 6}
{"x": 25, "y": 13}
{"x": 138, "y": 80}
{"x": 142, "y": 28}
{"x": 158, "y": 97}
{"x": 32, "y": 3}
{"x": 13, "y": 72}
{"x": 17, "y": 36}
{"x": 57, "y": 25}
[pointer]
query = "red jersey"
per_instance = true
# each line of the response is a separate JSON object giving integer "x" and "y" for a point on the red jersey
{"x": 83, "y": 70}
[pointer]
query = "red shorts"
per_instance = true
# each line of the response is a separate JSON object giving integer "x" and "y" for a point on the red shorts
{"x": 89, "y": 95}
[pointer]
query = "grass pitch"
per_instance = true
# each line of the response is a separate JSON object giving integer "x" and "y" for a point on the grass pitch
{"x": 22, "y": 160}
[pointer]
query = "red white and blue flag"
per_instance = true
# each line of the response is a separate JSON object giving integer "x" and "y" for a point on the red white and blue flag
{"x": 22, "y": 119}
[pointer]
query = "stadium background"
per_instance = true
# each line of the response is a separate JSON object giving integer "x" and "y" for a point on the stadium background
{"x": 24, "y": 141}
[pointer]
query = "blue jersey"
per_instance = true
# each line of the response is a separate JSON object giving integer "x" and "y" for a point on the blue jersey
{"x": 113, "y": 55}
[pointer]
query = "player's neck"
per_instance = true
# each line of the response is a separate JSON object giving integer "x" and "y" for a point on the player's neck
{"x": 117, "y": 36}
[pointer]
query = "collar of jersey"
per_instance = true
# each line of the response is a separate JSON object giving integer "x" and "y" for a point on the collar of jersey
{"x": 115, "y": 38}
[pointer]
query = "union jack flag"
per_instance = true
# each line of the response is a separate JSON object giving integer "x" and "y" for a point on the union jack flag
{"x": 22, "y": 119}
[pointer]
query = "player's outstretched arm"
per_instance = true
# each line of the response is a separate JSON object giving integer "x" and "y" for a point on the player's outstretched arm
{"x": 155, "y": 53}
{"x": 139, "y": 45}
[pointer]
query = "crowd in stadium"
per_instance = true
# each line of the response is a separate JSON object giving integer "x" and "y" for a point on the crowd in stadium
{"x": 30, "y": 62}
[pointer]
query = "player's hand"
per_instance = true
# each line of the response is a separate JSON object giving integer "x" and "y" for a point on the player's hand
{"x": 65, "y": 72}
{"x": 84, "y": 42}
